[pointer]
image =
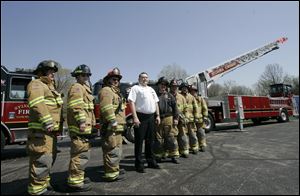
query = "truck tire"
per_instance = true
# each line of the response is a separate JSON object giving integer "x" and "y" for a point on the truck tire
{"x": 256, "y": 121}
{"x": 210, "y": 123}
{"x": 2, "y": 141}
{"x": 283, "y": 117}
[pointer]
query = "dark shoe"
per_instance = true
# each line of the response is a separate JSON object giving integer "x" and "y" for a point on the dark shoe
{"x": 202, "y": 149}
{"x": 185, "y": 155}
{"x": 87, "y": 180}
{"x": 140, "y": 169}
{"x": 122, "y": 171}
{"x": 49, "y": 187}
{"x": 174, "y": 160}
{"x": 83, "y": 188}
{"x": 194, "y": 152}
{"x": 158, "y": 160}
{"x": 49, "y": 192}
{"x": 153, "y": 165}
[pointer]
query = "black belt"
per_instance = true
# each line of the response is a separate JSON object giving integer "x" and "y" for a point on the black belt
{"x": 144, "y": 115}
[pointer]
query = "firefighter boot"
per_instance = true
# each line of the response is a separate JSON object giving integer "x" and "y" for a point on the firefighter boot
{"x": 174, "y": 160}
{"x": 83, "y": 188}
{"x": 202, "y": 148}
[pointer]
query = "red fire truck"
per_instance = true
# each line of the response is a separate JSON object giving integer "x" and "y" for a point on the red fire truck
{"x": 278, "y": 105}
{"x": 14, "y": 107}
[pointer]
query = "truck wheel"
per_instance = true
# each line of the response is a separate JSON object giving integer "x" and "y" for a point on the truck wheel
{"x": 129, "y": 135}
{"x": 256, "y": 121}
{"x": 2, "y": 141}
{"x": 283, "y": 117}
{"x": 209, "y": 123}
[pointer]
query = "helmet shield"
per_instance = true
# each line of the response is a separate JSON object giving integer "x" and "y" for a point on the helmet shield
{"x": 162, "y": 80}
{"x": 81, "y": 69}
{"x": 46, "y": 65}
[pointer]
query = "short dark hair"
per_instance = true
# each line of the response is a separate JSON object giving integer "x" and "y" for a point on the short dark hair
{"x": 142, "y": 74}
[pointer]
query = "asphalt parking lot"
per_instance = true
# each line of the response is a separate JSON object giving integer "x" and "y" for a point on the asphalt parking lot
{"x": 262, "y": 160}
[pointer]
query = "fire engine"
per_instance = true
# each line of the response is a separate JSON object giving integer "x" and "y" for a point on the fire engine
{"x": 14, "y": 107}
{"x": 278, "y": 105}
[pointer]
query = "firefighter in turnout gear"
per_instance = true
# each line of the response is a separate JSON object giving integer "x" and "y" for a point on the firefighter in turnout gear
{"x": 44, "y": 124}
{"x": 182, "y": 138}
{"x": 112, "y": 118}
{"x": 203, "y": 113}
{"x": 165, "y": 143}
{"x": 81, "y": 120}
{"x": 192, "y": 117}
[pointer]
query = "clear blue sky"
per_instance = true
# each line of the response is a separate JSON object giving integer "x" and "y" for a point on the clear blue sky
{"x": 146, "y": 36}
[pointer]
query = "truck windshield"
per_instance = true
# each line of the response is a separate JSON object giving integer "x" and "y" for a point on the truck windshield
{"x": 18, "y": 88}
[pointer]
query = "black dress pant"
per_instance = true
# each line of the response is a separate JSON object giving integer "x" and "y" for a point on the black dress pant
{"x": 144, "y": 132}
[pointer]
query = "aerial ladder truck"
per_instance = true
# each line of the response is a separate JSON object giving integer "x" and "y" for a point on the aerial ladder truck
{"x": 277, "y": 105}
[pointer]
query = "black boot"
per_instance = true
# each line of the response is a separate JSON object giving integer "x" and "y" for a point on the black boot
{"x": 202, "y": 149}
{"x": 84, "y": 188}
{"x": 174, "y": 160}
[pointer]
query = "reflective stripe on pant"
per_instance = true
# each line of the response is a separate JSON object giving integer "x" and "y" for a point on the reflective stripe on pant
{"x": 112, "y": 152}
{"x": 193, "y": 140}
{"x": 182, "y": 138}
{"x": 201, "y": 135}
{"x": 41, "y": 147}
{"x": 166, "y": 139}
{"x": 80, "y": 155}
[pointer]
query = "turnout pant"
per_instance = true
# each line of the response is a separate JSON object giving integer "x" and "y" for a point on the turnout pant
{"x": 80, "y": 155}
{"x": 112, "y": 153}
{"x": 192, "y": 131}
{"x": 165, "y": 142}
{"x": 182, "y": 138}
{"x": 41, "y": 148}
{"x": 201, "y": 134}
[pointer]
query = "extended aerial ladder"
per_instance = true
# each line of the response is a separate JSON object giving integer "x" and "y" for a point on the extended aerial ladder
{"x": 205, "y": 78}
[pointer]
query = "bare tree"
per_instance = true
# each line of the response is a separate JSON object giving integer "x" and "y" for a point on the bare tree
{"x": 228, "y": 85}
{"x": 173, "y": 71}
{"x": 273, "y": 74}
{"x": 63, "y": 80}
{"x": 241, "y": 90}
{"x": 294, "y": 81}
{"x": 231, "y": 87}
{"x": 215, "y": 90}
{"x": 295, "y": 85}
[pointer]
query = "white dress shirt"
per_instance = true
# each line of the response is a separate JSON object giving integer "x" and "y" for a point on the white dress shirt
{"x": 144, "y": 98}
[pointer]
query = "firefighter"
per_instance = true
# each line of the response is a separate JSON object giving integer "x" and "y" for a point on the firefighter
{"x": 81, "y": 120}
{"x": 182, "y": 138}
{"x": 112, "y": 117}
{"x": 44, "y": 124}
{"x": 166, "y": 132}
{"x": 203, "y": 113}
{"x": 191, "y": 116}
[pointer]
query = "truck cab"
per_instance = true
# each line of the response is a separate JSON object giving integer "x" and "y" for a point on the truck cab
{"x": 280, "y": 90}
{"x": 14, "y": 107}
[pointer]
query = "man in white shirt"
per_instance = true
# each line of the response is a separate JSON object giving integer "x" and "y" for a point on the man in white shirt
{"x": 143, "y": 103}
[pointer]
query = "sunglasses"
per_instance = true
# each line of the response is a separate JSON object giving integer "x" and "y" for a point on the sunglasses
{"x": 115, "y": 79}
{"x": 85, "y": 75}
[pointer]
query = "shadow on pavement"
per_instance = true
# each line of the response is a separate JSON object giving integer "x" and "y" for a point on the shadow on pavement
{"x": 225, "y": 128}
{"x": 13, "y": 153}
